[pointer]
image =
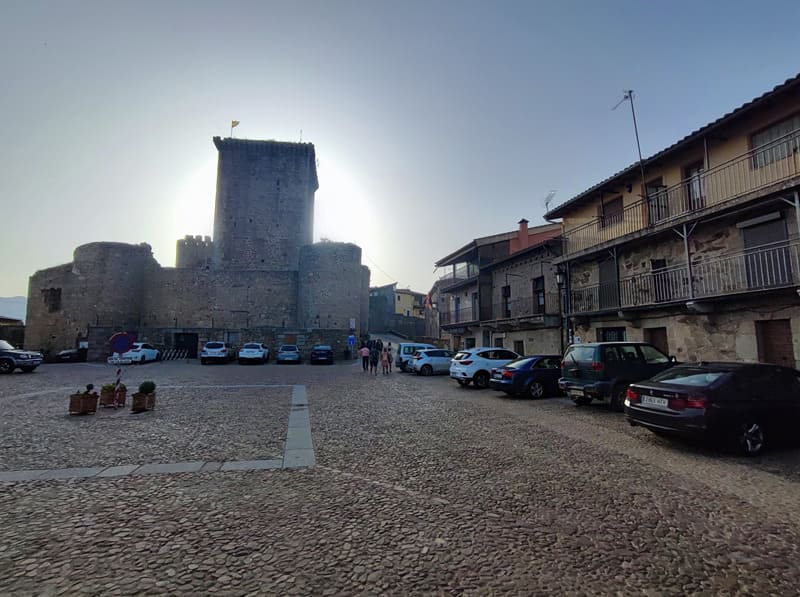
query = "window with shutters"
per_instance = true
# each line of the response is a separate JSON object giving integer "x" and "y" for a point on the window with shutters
{"x": 610, "y": 212}
{"x": 777, "y": 142}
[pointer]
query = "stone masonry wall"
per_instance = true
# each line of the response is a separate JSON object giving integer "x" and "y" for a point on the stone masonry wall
{"x": 331, "y": 286}
{"x": 194, "y": 252}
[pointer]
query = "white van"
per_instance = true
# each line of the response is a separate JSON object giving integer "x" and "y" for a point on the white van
{"x": 405, "y": 350}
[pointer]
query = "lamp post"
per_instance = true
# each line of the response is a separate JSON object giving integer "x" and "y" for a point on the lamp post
{"x": 561, "y": 281}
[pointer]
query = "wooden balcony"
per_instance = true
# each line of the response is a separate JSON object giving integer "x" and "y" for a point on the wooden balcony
{"x": 768, "y": 267}
{"x": 751, "y": 174}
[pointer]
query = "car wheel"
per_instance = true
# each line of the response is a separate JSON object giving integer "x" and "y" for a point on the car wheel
{"x": 203, "y": 362}
{"x": 618, "y": 398}
{"x": 750, "y": 438}
{"x": 27, "y": 369}
{"x": 536, "y": 390}
{"x": 582, "y": 400}
{"x": 426, "y": 370}
{"x": 143, "y": 360}
{"x": 481, "y": 379}
{"x": 462, "y": 382}
{"x": 6, "y": 366}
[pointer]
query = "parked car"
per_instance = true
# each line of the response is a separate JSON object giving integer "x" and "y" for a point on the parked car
{"x": 71, "y": 355}
{"x": 217, "y": 352}
{"x": 405, "y": 350}
{"x": 253, "y": 352}
{"x": 141, "y": 352}
{"x": 603, "y": 370}
{"x": 746, "y": 405}
{"x": 431, "y": 361}
{"x": 536, "y": 376}
{"x": 475, "y": 364}
{"x": 321, "y": 353}
{"x": 14, "y": 358}
{"x": 288, "y": 353}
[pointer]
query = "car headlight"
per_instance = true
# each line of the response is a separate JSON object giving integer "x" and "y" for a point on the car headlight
{"x": 23, "y": 356}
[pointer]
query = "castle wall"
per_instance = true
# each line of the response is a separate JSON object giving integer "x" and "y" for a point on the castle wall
{"x": 206, "y": 298}
{"x": 104, "y": 283}
{"x": 330, "y": 286}
{"x": 264, "y": 209}
{"x": 363, "y": 320}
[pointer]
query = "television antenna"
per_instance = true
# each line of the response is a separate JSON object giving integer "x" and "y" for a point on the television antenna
{"x": 549, "y": 199}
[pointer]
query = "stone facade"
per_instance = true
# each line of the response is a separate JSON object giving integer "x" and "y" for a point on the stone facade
{"x": 259, "y": 279}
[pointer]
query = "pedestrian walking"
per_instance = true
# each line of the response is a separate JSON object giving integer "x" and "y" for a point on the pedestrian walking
{"x": 364, "y": 352}
{"x": 374, "y": 357}
{"x": 385, "y": 361}
{"x": 389, "y": 350}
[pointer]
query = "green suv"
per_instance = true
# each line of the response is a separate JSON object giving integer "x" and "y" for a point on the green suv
{"x": 603, "y": 370}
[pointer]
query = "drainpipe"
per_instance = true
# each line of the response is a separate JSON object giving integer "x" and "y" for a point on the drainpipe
{"x": 685, "y": 236}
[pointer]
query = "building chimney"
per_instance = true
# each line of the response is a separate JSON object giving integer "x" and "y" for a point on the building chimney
{"x": 522, "y": 237}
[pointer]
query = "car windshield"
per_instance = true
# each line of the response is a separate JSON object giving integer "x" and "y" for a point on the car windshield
{"x": 214, "y": 345}
{"x": 5, "y": 345}
{"x": 322, "y": 347}
{"x": 520, "y": 363}
{"x": 288, "y": 348}
{"x": 252, "y": 346}
{"x": 690, "y": 376}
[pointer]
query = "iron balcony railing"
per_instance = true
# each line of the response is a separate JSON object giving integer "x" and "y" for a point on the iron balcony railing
{"x": 532, "y": 306}
{"x": 771, "y": 266}
{"x": 455, "y": 316}
{"x": 757, "y": 169}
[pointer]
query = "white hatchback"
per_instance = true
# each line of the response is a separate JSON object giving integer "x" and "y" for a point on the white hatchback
{"x": 253, "y": 352}
{"x": 475, "y": 364}
{"x": 141, "y": 352}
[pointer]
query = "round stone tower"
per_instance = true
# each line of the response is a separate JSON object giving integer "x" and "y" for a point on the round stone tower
{"x": 330, "y": 285}
{"x": 264, "y": 209}
{"x": 112, "y": 277}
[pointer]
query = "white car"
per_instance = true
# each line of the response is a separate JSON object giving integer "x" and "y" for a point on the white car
{"x": 252, "y": 352}
{"x": 141, "y": 352}
{"x": 475, "y": 364}
{"x": 428, "y": 362}
{"x": 217, "y": 352}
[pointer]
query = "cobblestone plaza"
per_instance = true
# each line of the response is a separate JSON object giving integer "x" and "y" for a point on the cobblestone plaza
{"x": 324, "y": 480}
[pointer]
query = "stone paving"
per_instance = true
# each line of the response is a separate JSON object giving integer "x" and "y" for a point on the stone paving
{"x": 419, "y": 487}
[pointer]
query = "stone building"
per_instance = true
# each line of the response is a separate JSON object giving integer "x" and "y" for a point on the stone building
{"x": 259, "y": 279}
{"x": 501, "y": 290}
{"x": 696, "y": 250}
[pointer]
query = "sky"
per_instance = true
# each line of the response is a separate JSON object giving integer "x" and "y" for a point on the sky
{"x": 434, "y": 122}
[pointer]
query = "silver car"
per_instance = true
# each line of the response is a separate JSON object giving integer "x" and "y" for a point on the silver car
{"x": 288, "y": 353}
{"x": 431, "y": 361}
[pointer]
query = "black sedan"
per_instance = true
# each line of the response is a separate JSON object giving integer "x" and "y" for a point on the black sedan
{"x": 534, "y": 376}
{"x": 322, "y": 353}
{"x": 72, "y": 355}
{"x": 746, "y": 405}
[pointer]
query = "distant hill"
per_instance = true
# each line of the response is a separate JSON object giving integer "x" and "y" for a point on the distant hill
{"x": 13, "y": 306}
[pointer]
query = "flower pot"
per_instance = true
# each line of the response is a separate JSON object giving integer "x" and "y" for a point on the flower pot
{"x": 83, "y": 404}
{"x": 142, "y": 402}
{"x": 107, "y": 398}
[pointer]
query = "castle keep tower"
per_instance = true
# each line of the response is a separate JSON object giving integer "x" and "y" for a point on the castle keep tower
{"x": 264, "y": 209}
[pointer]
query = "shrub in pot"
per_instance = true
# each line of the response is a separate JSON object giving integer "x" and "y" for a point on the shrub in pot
{"x": 145, "y": 398}
{"x": 83, "y": 403}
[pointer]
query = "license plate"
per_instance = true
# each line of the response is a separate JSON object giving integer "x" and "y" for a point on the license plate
{"x": 655, "y": 401}
{"x": 498, "y": 376}
{"x": 576, "y": 393}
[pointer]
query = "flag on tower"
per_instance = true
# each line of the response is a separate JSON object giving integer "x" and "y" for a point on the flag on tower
{"x": 234, "y": 123}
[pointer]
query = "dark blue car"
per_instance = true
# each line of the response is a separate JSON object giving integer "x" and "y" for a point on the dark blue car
{"x": 535, "y": 376}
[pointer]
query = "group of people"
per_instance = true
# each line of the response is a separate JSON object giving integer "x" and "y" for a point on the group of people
{"x": 373, "y": 352}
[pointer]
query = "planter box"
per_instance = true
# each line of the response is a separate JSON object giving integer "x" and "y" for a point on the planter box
{"x": 107, "y": 398}
{"x": 83, "y": 404}
{"x": 143, "y": 402}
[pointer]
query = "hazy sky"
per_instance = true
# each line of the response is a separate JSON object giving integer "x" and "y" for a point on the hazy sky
{"x": 434, "y": 122}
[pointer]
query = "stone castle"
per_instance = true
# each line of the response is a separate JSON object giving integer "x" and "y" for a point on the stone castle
{"x": 260, "y": 279}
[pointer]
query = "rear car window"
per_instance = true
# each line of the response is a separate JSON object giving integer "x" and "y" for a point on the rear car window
{"x": 519, "y": 363}
{"x": 214, "y": 345}
{"x": 652, "y": 355}
{"x": 322, "y": 347}
{"x": 257, "y": 346}
{"x": 288, "y": 348}
{"x": 580, "y": 353}
{"x": 690, "y": 376}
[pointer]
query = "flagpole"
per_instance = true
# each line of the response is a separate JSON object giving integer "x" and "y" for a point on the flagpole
{"x": 231, "y": 129}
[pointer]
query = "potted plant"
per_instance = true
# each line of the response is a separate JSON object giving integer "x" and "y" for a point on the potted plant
{"x": 110, "y": 397}
{"x": 145, "y": 398}
{"x": 83, "y": 403}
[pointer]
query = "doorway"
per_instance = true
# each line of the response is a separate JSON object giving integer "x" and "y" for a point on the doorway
{"x": 658, "y": 338}
{"x": 187, "y": 342}
{"x": 774, "y": 341}
{"x": 767, "y": 262}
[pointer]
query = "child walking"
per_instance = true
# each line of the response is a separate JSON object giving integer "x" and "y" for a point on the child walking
{"x": 385, "y": 361}
{"x": 364, "y": 352}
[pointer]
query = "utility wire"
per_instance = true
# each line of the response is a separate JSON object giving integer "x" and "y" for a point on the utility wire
{"x": 391, "y": 278}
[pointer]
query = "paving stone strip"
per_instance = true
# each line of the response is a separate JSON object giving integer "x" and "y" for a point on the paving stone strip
{"x": 298, "y": 450}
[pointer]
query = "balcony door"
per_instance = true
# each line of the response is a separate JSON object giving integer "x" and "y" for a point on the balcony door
{"x": 767, "y": 261}
{"x": 695, "y": 187}
{"x": 608, "y": 289}
{"x": 657, "y": 200}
